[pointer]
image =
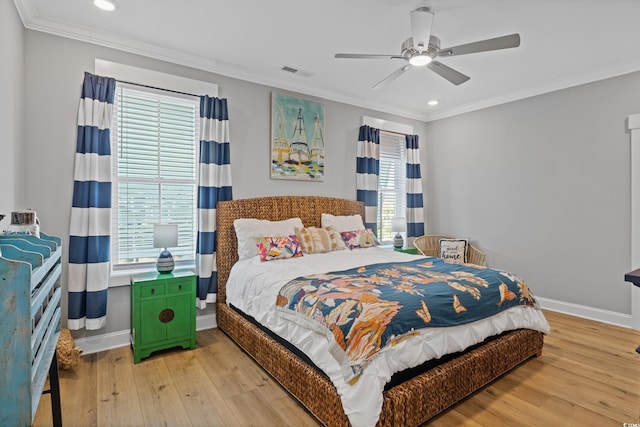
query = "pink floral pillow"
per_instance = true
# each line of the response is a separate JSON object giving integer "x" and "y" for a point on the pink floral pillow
{"x": 359, "y": 238}
{"x": 278, "y": 247}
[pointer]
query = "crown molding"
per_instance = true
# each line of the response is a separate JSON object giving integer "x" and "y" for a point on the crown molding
{"x": 26, "y": 10}
{"x": 585, "y": 78}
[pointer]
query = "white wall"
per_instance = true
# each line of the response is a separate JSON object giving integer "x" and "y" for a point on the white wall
{"x": 543, "y": 186}
{"x": 54, "y": 74}
{"x": 11, "y": 110}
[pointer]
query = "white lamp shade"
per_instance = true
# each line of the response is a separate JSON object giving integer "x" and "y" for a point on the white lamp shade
{"x": 165, "y": 235}
{"x": 398, "y": 224}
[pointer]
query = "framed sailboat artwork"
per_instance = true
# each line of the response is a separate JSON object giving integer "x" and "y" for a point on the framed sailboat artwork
{"x": 297, "y": 138}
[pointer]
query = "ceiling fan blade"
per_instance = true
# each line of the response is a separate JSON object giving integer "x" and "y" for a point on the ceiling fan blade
{"x": 455, "y": 77}
{"x": 391, "y": 77}
{"x": 421, "y": 24}
{"x": 366, "y": 56}
{"x": 504, "y": 42}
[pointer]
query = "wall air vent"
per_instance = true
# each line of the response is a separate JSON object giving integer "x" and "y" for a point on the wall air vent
{"x": 289, "y": 69}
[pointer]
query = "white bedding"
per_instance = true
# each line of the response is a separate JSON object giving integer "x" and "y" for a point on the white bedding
{"x": 253, "y": 286}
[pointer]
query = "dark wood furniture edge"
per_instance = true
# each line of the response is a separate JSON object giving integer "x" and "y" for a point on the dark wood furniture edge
{"x": 633, "y": 277}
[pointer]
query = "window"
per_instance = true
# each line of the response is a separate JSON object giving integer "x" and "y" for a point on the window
{"x": 391, "y": 184}
{"x": 154, "y": 152}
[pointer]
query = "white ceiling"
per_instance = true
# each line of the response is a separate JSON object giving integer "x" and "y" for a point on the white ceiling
{"x": 564, "y": 43}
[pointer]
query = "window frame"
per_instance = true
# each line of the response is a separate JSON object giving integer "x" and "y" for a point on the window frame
{"x": 390, "y": 142}
{"x": 146, "y": 77}
{"x": 155, "y": 96}
{"x": 401, "y": 130}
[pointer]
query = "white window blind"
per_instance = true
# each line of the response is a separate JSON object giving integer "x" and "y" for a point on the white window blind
{"x": 391, "y": 185}
{"x": 154, "y": 149}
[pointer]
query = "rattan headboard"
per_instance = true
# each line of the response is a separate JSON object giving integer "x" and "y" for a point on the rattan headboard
{"x": 277, "y": 208}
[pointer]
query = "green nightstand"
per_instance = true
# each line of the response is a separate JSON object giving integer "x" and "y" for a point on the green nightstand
{"x": 163, "y": 312}
{"x": 412, "y": 251}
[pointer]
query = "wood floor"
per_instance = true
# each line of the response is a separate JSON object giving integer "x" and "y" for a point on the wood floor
{"x": 588, "y": 375}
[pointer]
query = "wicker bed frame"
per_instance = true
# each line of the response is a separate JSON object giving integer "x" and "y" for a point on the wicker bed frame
{"x": 408, "y": 404}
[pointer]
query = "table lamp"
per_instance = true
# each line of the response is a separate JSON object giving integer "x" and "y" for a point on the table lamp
{"x": 398, "y": 225}
{"x": 165, "y": 236}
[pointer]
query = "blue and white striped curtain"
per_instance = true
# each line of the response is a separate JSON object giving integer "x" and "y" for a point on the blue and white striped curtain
{"x": 367, "y": 173}
{"x": 415, "y": 203}
{"x": 214, "y": 185}
{"x": 90, "y": 228}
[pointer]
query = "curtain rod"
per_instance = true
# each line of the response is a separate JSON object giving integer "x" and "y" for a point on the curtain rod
{"x": 392, "y": 132}
{"x": 158, "y": 88}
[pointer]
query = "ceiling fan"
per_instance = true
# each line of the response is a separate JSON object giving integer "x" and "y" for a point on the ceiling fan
{"x": 422, "y": 48}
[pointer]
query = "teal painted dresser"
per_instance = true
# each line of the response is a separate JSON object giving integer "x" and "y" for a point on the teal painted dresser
{"x": 29, "y": 325}
{"x": 163, "y": 312}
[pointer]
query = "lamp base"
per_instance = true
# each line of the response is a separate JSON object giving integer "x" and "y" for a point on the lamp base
{"x": 398, "y": 241}
{"x": 165, "y": 263}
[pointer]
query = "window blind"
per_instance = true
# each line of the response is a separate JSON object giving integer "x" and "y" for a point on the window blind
{"x": 391, "y": 183}
{"x": 154, "y": 138}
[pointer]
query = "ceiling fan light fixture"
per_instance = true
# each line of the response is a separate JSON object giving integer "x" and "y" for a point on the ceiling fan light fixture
{"x": 420, "y": 59}
{"x": 106, "y": 5}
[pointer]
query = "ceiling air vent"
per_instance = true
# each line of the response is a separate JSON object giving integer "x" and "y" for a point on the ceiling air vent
{"x": 296, "y": 71}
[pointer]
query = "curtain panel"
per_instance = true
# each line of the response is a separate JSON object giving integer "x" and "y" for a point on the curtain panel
{"x": 415, "y": 202}
{"x": 90, "y": 226}
{"x": 214, "y": 185}
{"x": 367, "y": 173}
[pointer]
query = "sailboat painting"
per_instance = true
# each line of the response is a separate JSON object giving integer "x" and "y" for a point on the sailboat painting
{"x": 297, "y": 138}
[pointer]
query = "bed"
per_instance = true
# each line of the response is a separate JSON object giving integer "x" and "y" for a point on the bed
{"x": 416, "y": 395}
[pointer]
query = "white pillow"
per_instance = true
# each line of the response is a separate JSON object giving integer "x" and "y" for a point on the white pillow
{"x": 342, "y": 222}
{"x": 247, "y": 229}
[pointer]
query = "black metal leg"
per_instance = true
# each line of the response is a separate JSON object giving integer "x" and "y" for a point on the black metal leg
{"x": 54, "y": 389}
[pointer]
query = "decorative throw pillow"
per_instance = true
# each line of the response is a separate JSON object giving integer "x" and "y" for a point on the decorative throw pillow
{"x": 319, "y": 240}
{"x": 278, "y": 247}
{"x": 454, "y": 251}
{"x": 342, "y": 222}
{"x": 337, "y": 237}
{"x": 247, "y": 229}
{"x": 359, "y": 238}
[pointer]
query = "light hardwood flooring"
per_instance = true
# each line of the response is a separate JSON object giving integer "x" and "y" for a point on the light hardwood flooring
{"x": 588, "y": 375}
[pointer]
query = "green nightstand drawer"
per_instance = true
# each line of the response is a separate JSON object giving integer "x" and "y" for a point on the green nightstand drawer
{"x": 178, "y": 287}
{"x": 152, "y": 290}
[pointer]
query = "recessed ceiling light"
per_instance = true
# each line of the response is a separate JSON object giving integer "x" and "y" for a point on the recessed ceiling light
{"x": 106, "y": 5}
{"x": 433, "y": 102}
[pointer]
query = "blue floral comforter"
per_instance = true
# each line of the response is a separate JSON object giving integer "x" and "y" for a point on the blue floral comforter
{"x": 365, "y": 309}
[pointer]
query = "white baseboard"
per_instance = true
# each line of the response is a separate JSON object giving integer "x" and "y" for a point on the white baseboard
{"x": 97, "y": 343}
{"x": 591, "y": 313}
{"x": 207, "y": 321}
